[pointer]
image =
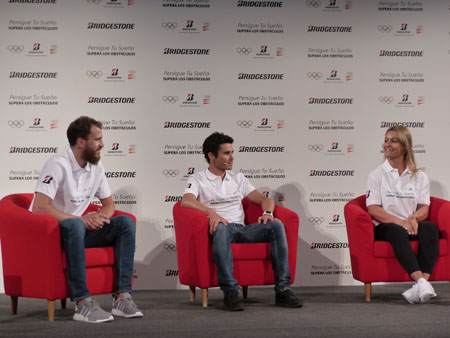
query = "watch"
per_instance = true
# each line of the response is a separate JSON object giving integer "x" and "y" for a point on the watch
{"x": 270, "y": 213}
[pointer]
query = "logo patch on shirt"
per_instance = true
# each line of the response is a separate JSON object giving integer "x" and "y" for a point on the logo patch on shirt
{"x": 368, "y": 194}
{"x": 47, "y": 179}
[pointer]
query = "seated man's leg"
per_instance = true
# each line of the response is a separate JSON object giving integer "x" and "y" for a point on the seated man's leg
{"x": 120, "y": 233}
{"x": 222, "y": 239}
{"x": 273, "y": 232}
{"x": 73, "y": 232}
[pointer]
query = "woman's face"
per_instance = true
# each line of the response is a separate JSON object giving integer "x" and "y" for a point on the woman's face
{"x": 392, "y": 147}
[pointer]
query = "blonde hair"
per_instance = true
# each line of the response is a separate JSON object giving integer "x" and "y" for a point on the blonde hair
{"x": 404, "y": 137}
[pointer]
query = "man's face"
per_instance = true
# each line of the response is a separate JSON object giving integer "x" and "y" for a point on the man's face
{"x": 93, "y": 145}
{"x": 225, "y": 158}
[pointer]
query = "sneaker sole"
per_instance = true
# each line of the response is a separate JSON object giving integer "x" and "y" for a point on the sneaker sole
{"x": 119, "y": 313}
{"x": 426, "y": 298}
{"x": 80, "y": 318}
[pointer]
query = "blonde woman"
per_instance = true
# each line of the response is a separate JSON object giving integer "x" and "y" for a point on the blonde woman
{"x": 398, "y": 199}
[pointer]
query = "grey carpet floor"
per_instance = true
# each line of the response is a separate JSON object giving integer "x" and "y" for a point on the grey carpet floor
{"x": 327, "y": 312}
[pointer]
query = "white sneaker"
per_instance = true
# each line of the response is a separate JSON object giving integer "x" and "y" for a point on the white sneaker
{"x": 426, "y": 291}
{"x": 412, "y": 295}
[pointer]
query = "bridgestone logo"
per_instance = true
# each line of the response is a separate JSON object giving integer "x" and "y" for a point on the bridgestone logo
{"x": 259, "y": 3}
{"x": 93, "y": 99}
{"x": 187, "y": 51}
{"x": 33, "y": 75}
{"x": 169, "y": 198}
{"x": 245, "y": 76}
{"x": 120, "y": 174}
{"x": 243, "y": 149}
{"x": 330, "y": 29}
{"x": 93, "y": 25}
{"x": 329, "y": 245}
{"x": 335, "y": 100}
{"x": 403, "y": 53}
{"x": 405, "y": 124}
{"x": 33, "y": 150}
{"x": 331, "y": 172}
{"x": 187, "y": 124}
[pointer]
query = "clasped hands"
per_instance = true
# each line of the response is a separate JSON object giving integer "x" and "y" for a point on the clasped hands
{"x": 411, "y": 225}
{"x": 94, "y": 220}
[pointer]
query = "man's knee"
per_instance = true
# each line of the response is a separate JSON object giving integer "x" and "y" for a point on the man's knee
{"x": 73, "y": 227}
{"x": 276, "y": 226}
{"x": 126, "y": 223}
{"x": 222, "y": 231}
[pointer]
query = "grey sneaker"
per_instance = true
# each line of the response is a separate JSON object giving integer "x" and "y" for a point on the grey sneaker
{"x": 91, "y": 312}
{"x": 125, "y": 307}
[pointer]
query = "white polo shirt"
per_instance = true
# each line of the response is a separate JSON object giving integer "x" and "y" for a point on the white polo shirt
{"x": 71, "y": 187}
{"x": 398, "y": 195}
{"x": 224, "y": 197}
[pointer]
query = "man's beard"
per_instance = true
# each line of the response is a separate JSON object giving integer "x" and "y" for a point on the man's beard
{"x": 90, "y": 155}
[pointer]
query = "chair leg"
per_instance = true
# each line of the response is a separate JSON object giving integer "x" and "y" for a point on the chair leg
{"x": 51, "y": 310}
{"x": 204, "y": 297}
{"x": 63, "y": 303}
{"x": 368, "y": 291}
{"x": 192, "y": 293}
{"x": 245, "y": 291}
{"x": 14, "y": 301}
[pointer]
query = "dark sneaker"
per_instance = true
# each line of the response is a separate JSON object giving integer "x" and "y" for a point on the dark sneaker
{"x": 91, "y": 312}
{"x": 125, "y": 307}
{"x": 287, "y": 299}
{"x": 232, "y": 301}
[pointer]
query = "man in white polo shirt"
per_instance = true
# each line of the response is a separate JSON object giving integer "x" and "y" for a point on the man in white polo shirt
{"x": 67, "y": 184}
{"x": 218, "y": 192}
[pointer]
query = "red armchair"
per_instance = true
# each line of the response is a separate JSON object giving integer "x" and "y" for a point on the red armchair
{"x": 251, "y": 261}
{"x": 374, "y": 261}
{"x": 34, "y": 264}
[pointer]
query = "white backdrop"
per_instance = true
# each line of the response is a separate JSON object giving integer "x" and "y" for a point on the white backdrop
{"x": 315, "y": 83}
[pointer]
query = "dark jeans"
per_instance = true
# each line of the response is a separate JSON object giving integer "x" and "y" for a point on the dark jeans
{"x": 120, "y": 233}
{"x": 428, "y": 251}
{"x": 272, "y": 232}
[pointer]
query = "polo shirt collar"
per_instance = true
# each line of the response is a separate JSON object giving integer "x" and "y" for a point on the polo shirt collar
{"x": 210, "y": 176}
{"x": 74, "y": 163}
{"x": 387, "y": 166}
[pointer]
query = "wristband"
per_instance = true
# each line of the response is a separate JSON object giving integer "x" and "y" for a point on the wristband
{"x": 270, "y": 213}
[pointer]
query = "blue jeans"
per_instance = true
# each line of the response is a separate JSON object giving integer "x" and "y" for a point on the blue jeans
{"x": 120, "y": 233}
{"x": 272, "y": 232}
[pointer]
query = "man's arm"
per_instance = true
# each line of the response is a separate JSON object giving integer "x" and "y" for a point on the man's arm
{"x": 42, "y": 205}
{"x": 190, "y": 201}
{"x": 108, "y": 207}
{"x": 266, "y": 203}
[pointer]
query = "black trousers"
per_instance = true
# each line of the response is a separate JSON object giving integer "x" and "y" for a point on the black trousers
{"x": 428, "y": 251}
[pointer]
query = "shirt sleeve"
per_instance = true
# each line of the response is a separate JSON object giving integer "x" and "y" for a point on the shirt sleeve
{"x": 373, "y": 194}
{"x": 192, "y": 186}
{"x": 423, "y": 188}
{"x": 246, "y": 186}
{"x": 52, "y": 175}
{"x": 103, "y": 190}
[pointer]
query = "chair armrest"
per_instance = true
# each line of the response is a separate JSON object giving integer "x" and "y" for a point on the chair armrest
{"x": 440, "y": 215}
{"x": 359, "y": 228}
{"x": 193, "y": 243}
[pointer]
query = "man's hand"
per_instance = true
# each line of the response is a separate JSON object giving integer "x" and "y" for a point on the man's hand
{"x": 264, "y": 218}
{"x": 94, "y": 220}
{"x": 214, "y": 220}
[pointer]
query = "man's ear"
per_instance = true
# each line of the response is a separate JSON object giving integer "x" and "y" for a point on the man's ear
{"x": 81, "y": 143}
{"x": 211, "y": 156}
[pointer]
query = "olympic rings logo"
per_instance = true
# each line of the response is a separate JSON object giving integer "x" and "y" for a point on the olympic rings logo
{"x": 170, "y": 247}
{"x": 94, "y": 74}
{"x": 16, "y": 123}
{"x": 314, "y": 75}
{"x": 243, "y": 51}
{"x": 170, "y": 99}
{"x": 313, "y": 3}
{"x": 316, "y": 220}
{"x": 170, "y": 172}
{"x": 244, "y": 123}
{"x": 95, "y": 2}
{"x": 386, "y": 99}
{"x": 315, "y": 147}
{"x": 169, "y": 25}
{"x": 15, "y": 48}
{"x": 384, "y": 28}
